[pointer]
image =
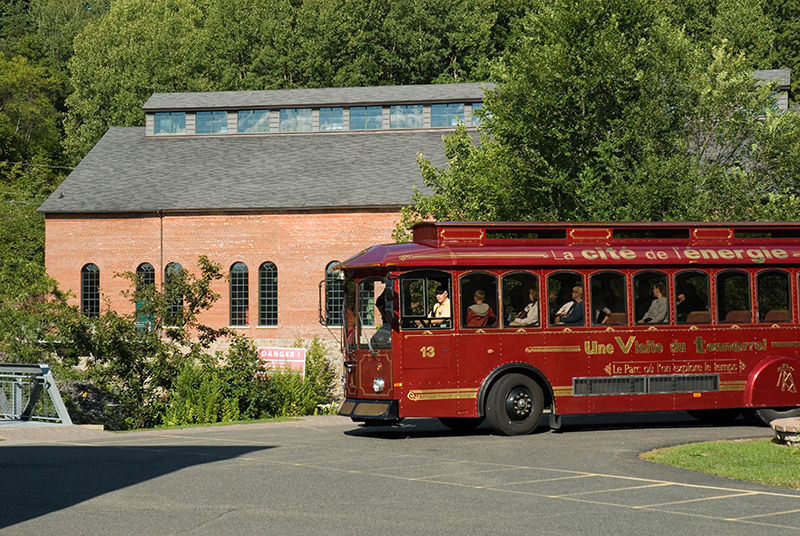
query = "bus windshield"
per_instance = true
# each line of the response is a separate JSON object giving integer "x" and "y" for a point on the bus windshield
{"x": 368, "y": 323}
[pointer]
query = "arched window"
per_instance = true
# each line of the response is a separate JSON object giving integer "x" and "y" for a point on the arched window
{"x": 650, "y": 298}
{"x": 268, "y": 294}
{"x": 774, "y": 294}
{"x": 334, "y": 295}
{"x": 733, "y": 297}
{"x": 521, "y": 304}
{"x": 566, "y": 304}
{"x": 240, "y": 290}
{"x": 692, "y": 297}
{"x": 608, "y": 298}
{"x": 90, "y": 290}
{"x": 479, "y": 304}
{"x": 145, "y": 277}
{"x": 173, "y": 275}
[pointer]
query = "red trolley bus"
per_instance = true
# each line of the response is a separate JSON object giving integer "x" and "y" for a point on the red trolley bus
{"x": 501, "y": 320}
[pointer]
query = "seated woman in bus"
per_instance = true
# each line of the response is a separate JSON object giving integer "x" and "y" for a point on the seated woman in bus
{"x": 530, "y": 315}
{"x": 659, "y": 309}
{"x": 574, "y": 312}
{"x": 480, "y": 314}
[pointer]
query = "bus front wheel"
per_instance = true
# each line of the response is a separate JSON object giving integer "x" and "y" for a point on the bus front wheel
{"x": 514, "y": 405}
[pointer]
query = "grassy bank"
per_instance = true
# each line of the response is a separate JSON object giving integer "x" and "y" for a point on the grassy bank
{"x": 760, "y": 460}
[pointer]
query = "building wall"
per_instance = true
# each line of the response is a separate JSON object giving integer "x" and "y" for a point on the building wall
{"x": 299, "y": 244}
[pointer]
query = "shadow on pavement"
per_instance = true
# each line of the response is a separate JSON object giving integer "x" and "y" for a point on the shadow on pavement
{"x": 38, "y": 480}
{"x": 424, "y": 427}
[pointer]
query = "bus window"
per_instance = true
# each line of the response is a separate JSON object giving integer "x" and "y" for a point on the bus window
{"x": 773, "y": 293}
{"x": 425, "y": 300}
{"x": 520, "y": 300}
{"x": 651, "y": 305}
{"x": 733, "y": 297}
{"x": 691, "y": 298}
{"x": 479, "y": 301}
{"x": 565, "y": 299}
{"x": 608, "y": 298}
{"x": 374, "y": 321}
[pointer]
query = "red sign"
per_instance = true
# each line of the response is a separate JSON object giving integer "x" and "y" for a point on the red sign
{"x": 293, "y": 359}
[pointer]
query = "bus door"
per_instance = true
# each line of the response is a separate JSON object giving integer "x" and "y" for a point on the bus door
{"x": 429, "y": 379}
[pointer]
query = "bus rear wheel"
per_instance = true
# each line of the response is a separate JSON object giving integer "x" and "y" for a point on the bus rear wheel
{"x": 514, "y": 405}
{"x": 764, "y": 416}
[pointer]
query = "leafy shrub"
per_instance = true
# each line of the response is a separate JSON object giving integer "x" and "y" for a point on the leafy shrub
{"x": 293, "y": 394}
{"x": 199, "y": 397}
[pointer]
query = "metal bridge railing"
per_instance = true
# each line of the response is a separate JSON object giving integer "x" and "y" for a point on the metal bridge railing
{"x": 29, "y": 393}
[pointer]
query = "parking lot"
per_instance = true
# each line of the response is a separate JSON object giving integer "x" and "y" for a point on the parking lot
{"x": 326, "y": 475}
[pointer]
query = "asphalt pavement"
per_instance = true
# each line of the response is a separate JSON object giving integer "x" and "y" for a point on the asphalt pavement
{"x": 327, "y": 475}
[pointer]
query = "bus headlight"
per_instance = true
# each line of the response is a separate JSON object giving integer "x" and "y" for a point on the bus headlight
{"x": 378, "y": 385}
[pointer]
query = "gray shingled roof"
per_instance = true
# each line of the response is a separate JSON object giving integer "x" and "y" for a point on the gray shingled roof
{"x": 324, "y": 97}
{"x": 126, "y": 172}
{"x": 783, "y": 76}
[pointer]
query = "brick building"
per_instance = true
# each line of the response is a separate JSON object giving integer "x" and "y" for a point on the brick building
{"x": 272, "y": 185}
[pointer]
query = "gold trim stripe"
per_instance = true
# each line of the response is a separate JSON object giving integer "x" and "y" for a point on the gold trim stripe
{"x": 541, "y": 349}
{"x": 442, "y": 394}
{"x": 460, "y": 255}
{"x": 732, "y": 386}
{"x": 786, "y": 344}
{"x": 562, "y": 391}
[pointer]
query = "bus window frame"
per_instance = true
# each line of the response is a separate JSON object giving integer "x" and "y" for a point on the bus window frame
{"x": 708, "y": 302}
{"x": 720, "y": 293}
{"x": 409, "y": 323}
{"x": 623, "y": 299}
{"x": 465, "y": 301}
{"x": 538, "y": 284}
{"x": 790, "y": 313}
{"x": 638, "y": 316}
{"x": 551, "y": 315}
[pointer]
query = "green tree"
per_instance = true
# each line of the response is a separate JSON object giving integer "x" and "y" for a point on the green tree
{"x": 138, "y": 48}
{"x": 141, "y": 363}
{"x": 606, "y": 111}
{"x": 786, "y": 16}
{"x": 28, "y": 117}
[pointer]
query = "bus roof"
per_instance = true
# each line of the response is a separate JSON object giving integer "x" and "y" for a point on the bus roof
{"x": 527, "y": 244}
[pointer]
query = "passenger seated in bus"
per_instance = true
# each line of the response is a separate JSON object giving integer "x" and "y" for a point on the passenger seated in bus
{"x": 530, "y": 315}
{"x": 571, "y": 313}
{"x": 480, "y": 314}
{"x": 439, "y": 311}
{"x": 688, "y": 301}
{"x": 659, "y": 309}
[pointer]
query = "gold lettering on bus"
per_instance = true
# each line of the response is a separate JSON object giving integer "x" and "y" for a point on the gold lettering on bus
{"x": 702, "y": 346}
{"x": 755, "y": 255}
{"x": 785, "y": 379}
{"x": 638, "y": 347}
{"x": 635, "y": 368}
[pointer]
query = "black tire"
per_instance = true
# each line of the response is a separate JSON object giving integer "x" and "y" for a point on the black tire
{"x": 514, "y": 405}
{"x": 764, "y": 416}
{"x": 715, "y": 416}
{"x": 461, "y": 424}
